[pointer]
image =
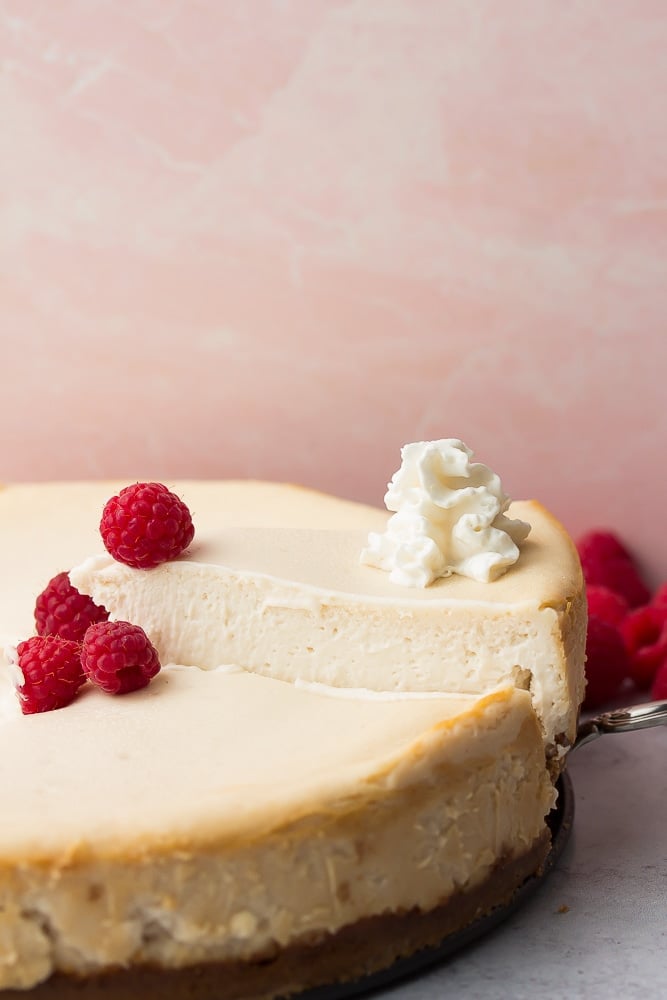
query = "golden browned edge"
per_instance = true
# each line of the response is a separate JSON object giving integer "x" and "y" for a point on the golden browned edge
{"x": 362, "y": 948}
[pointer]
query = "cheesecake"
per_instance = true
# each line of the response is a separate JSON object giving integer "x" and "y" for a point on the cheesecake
{"x": 332, "y": 770}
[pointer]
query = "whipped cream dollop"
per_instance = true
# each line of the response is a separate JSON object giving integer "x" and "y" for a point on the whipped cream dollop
{"x": 449, "y": 518}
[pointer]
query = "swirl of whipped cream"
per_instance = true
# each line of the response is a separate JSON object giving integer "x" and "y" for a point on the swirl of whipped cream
{"x": 449, "y": 518}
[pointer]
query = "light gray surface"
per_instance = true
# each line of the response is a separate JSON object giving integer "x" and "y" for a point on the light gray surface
{"x": 612, "y": 941}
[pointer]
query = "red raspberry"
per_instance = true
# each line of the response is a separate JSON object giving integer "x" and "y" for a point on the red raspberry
{"x": 659, "y": 689}
{"x": 607, "y": 563}
{"x": 146, "y": 525}
{"x": 118, "y": 657}
{"x": 660, "y": 597}
{"x": 52, "y": 674}
{"x": 606, "y": 663}
{"x": 61, "y": 610}
{"x": 603, "y": 545}
{"x": 645, "y": 635}
{"x": 605, "y": 604}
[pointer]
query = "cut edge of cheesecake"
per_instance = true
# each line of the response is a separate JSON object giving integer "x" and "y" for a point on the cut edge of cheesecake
{"x": 243, "y": 582}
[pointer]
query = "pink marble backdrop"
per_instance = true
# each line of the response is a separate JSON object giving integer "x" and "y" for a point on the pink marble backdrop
{"x": 278, "y": 238}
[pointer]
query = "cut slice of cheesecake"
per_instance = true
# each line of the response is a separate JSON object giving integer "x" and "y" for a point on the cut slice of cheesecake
{"x": 218, "y": 818}
{"x": 274, "y": 581}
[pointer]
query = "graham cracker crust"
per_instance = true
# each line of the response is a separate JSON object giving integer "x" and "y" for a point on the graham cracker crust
{"x": 357, "y": 950}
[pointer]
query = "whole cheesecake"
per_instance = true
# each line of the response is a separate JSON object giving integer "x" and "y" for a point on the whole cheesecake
{"x": 330, "y": 772}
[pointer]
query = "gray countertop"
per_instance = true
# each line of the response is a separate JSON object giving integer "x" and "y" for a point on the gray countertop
{"x": 612, "y": 877}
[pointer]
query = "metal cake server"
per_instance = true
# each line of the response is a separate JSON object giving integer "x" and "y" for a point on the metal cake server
{"x": 621, "y": 720}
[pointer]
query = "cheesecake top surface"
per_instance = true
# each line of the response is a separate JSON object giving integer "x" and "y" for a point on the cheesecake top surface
{"x": 277, "y": 530}
{"x": 214, "y": 756}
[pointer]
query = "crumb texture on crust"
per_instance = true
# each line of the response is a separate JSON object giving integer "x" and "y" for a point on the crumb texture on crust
{"x": 369, "y": 945}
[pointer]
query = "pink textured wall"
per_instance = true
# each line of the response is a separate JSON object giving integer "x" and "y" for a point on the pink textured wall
{"x": 278, "y": 239}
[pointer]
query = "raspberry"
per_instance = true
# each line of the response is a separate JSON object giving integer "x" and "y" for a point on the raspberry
{"x": 606, "y": 604}
{"x": 118, "y": 657}
{"x": 603, "y": 545}
{"x": 61, "y": 610}
{"x": 52, "y": 674}
{"x": 660, "y": 597}
{"x": 146, "y": 525}
{"x": 606, "y": 662}
{"x": 607, "y": 563}
{"x": 659, "y": 689}
{"x": 645, "y": 635}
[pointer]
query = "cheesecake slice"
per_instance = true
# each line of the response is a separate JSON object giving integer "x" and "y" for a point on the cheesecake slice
{"x": 274, "y": 581}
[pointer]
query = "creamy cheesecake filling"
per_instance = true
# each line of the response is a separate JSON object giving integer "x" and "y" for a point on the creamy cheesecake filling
{"x": 206, "y": 615}
{"x": 273, "y": 534}
{"x": 248, "y": 842}
{"x": 328, "y": 620}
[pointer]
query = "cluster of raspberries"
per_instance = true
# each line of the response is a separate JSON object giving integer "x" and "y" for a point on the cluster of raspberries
{"x": 143, "y": 526}
{"x": 627, "y": 626}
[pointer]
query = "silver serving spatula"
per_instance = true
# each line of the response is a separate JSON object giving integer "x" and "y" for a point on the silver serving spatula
{"x": 621, "y": 720}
